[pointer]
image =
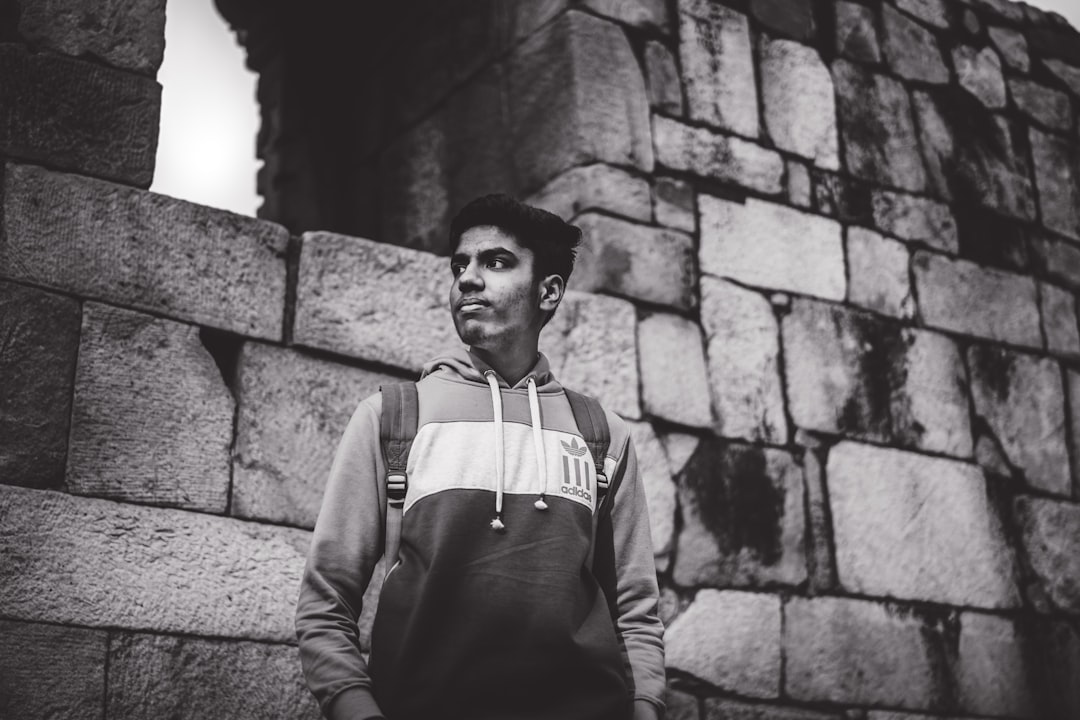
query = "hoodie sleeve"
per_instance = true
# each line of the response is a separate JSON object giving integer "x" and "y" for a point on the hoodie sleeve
{"x": 345, "y": 546}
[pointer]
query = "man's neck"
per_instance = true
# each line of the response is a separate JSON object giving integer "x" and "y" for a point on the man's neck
{"x": 511, "y": 365}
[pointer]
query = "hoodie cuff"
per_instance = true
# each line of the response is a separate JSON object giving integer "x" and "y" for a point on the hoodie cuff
{"x": 354, "y": 704}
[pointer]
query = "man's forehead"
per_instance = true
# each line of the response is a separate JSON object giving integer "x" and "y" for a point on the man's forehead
{"x": 478, "y": 239}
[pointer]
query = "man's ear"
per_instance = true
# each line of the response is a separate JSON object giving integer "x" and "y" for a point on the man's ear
{"x": 552, "y": 289}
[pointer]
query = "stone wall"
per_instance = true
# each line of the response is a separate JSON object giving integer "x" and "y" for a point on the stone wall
{"x": 833, "y": 256}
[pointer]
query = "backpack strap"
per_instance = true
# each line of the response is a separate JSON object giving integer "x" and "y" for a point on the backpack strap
{"x": 593, "y": 426}
{"x": 397, "y": 428}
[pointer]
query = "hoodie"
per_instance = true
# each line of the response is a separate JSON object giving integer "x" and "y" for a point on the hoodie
{"x": 494, "y": 607}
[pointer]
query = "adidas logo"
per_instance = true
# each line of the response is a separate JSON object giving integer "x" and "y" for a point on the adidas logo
{"x": 577, "y": 472}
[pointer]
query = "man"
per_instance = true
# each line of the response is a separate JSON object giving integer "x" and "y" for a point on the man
{"x": 494, "y": 608}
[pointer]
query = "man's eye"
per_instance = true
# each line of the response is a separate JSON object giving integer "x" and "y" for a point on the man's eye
{"x": 496, "y": 263}
{"x": 456, "y": 270}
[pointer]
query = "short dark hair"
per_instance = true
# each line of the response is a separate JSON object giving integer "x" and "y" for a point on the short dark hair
{"x": 553, "y": 241}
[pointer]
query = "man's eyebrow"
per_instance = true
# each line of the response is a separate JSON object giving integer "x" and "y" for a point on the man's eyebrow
{"x": 485, "y": 254}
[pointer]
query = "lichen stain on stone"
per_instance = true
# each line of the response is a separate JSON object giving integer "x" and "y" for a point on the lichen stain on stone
{"x": 993, "y": 368}
{"x": 614, "y": 263}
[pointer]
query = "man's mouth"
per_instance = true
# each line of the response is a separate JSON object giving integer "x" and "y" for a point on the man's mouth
{"x": 471, "y": 304}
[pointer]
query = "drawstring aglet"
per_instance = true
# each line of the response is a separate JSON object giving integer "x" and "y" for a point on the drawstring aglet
{"x": 540, "y": 504}
{"x": 497, "y": 524}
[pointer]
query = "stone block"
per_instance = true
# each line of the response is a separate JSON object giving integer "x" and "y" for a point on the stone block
{"x": 1058, "y": 182}
{"x": 591, "y": 343}
{"x": 1001, "y": 8}
{"x": 979, "y": 72}
{"x": 724, "y": 709}
{"x": 658, "y": 483}
{"x": 188, "y": 678}
{"x": 878, "y": 274}
{"x": 77, "y": 115}
{"x": 292, "y": 410}
{"x": 1044, "y": 105}
{"x": 576, "y": 95}
{"x": 1020, "y": 397}
{"x": 773, "y": 246}
{"x": 729, "y": 639}
{"x": 930, "y": 517}
{"x": 1057, "y": 259}
{"x": 1050, "y": 535}
{"x": 595, "y": 187}
{"x": 797, "y": 95}
{"x": 37, "y": 364}
{"x": 794, "y": 18}
{"x": 915, "y": 219}
{"x": 675, "y": 204}
{"x": 414, "y": 180}
{"x": 639, "y": 262}
{"x": 857, "y": 652}
{"x": 931, "y": 12}
{"x": 152, "y": 419}
{"x": 841, "y": 197}
{"x": 820, "y": 557}
{"x": 151, "y": 252}
{"x": 1013, "y": 47}
{"x": 662, "y": 79}
{"x": 98, "y": 563}
{"x": 1056, "y": 657}
{"x": 1066, "y": 73}
{"x": 988, "y": 238}
{"x": 124, "y": 34}
{"x": 798, "y": 184}
{"x": 856, "y": 37}
{"x": 373, "y": 301}
{"x": 651, "y": 14}
{"x": 674, "y": 379}
{"x": 877, "y": 129}
{"x": 718, "y": 66}
{"x": 49, "y": 671}
{"x": 1058, "y": 308}
{"x": 910, "y": 49}
{"x": 742, "y": 518}
{"x": 681, "y": 706}
{"x": 743, "y": 349}
{"x": 706, "y": 154}
{"x": 991, "y": 671}
{"x": 852, "y": 374}
{"x": 967, "y": 298}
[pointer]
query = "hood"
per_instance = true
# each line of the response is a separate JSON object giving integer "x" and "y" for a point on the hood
{"x": 464, "y": 364}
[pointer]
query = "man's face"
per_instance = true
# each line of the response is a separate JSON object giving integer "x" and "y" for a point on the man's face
{"x": 495, "y": 296}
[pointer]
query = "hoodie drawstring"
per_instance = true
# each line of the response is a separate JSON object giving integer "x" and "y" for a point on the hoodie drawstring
{"x": 538, "y": 443}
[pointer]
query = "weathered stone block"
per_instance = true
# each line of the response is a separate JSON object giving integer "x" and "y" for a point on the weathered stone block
{"x": 1050, "y": 532}
{"x": 992, "y": 675}
{"x": 718, "y": 66}
{"x": 1058, "y": 308}
{"x": 675, "y": 204}
{"x": 979, "y": 72}
{"x": 878, "y": 273}
{"x": 729, "y": 639}
{"x": 724, "y": 709}
{"x": 152, "y": 252}
{"x": 875, "y": 120}
{"x": 1058, "y": 259}
{"x": 1057, "y": 665}
{"x": 1058, "y": 182}
{"x": 798, "y": 184}
{"x": 1042, "y": 104}
{"x": 841, "y": 197}
{"x": 681, "y": 706}
{"x": 293, "y": 409}
{"x": 988, "y": 238}
{"x": 662, "y": 79}
{"x": 794, "y": 18}
{"x": 99, "y": 563}
{"x": 1013, "y": 47}
{"x": 930, "y": 517}
{"x": 932, "y": 12}
{"x": 852, "y": 374}
{"x": 1001, "y": 8}
{"x": 967, "y": 298}
{"x": 123, "y": 33}
{"x": 674, "y": 381}
{"x": 639, "y": 13}
{"x": 915, "y": 219}
{"x": 37, "y": 363}
{"x": 742, "y": 510}
{"x": 48, "y": 671}
{"x": 1068, "y": 74}
{"x": 856, "y": 652}
{"x": 1021, "y": 399}
{"x": 78, "y": 116}
{"x": 188, "y": 678}
{"x": 152, "y": 419}
{"x": 595, "y": 187}
{"x": 910, "y": 49}
{"x": 414, "y": 190}
{"x": 635, "y": 261}
{"x": 797, "y": 93}
{"x": 856, "y": 38}
{"x": 769, "y": 245}
{"x": 706, "y": 154}
{"x": 659, "y": 486}
{"x": 743, "y": 348}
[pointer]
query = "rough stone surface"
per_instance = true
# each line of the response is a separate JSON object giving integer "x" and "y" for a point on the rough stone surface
{"x": 743, "y": 352}
{"x": 189, "y": 678}
{"x": 635, "y": 261}
{"x": 718, "y": 66}
{"x": 988, "y": 238}
{"x": 595, "y": 187}
{"x": 964, "y": 297}
{"x": 797, "y": 92}
{"x": 910, "y": 49}
{"x": 992, "y": 675}
{"x": 856, "y": 38}
{"x": 933, "y": 12}
{"x": 373, "y": 301}
{"x": 293, "y": 409}
{"x": 794, "y": 18}
{"x": 915, "y": 219}
{"x": 1057, "y": 178}
{"x": 1050, "y": 532}
{"x": 674, "y": 379}
{"x": 152, "y": 419}
{"x": 1068, "y": 74}
{"x": 413, "y": 180}
{"x": 856, "y": 652}
{"x": 742, "y": 511}
{"x": 1002, "y": 8}
{"x": 37, "y": 364}
{"x": 773, "y": 246}
{"x": 639, "y": 13}
{"x": 99, "y": 563}
{"x": 1013, "y": 46}
{"x": 681, "y": 706}
{"x": 659, "y": 486}
{"x": 878, "y": 133}
{"x": 1058, "y": 308}
{"x": 1058, "y": 259}
{"x": 723, "y": 709}
{"x": 78, "y": 116}
{"x": 841, "y": 197}
{"x": 798, "y": 184}
{"x": 878, "y": 273}
{"x": 1042, "y": 104}
{"x": 852, "y": 374}
{"x": 709, "y": 155}
{"x": 48, "y": 671}
{"x": 662, "y": 79}
{"x": 930, "y": 517}
{"x": 128, "y": 34}
{"x": 152, "y": 252}
{"x": 731, "y": 640}
{"x": 675, "y": 204}
{"x": 1021, "y": 399}
{"x": 979, "y": 72}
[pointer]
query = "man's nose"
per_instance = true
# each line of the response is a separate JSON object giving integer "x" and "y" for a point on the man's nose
{"x": 470, "y": 279}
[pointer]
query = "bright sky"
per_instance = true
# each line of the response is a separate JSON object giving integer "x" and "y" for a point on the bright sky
{"x": 209, "y": 118}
